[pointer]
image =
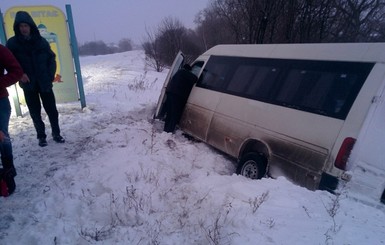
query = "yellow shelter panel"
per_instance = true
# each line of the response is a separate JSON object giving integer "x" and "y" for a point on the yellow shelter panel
{"x": 52, "y": 25}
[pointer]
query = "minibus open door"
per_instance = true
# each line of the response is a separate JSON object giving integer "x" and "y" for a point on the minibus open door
{"x": 176, "y": 65}
{"x": 367, "y": 158}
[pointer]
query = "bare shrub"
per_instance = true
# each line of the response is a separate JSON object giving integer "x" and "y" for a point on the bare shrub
{"x": 258, "y": 201}
{"x": 269, "y": 223}
{"x": 306, "y": 211}
{"x": 332, "y": 209}
{"x": 151, "y": 48}
{"x": 214, "y": 232}
{"x": 96, "y": 233}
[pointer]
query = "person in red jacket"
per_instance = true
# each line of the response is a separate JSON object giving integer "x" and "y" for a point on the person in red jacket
{"x": 13, "y": 74}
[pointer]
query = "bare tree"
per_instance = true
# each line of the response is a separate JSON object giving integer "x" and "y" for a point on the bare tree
{"x": 95, "y": 48}
{"x": 249, "y": 20}
{"x": 152, "y": 51}
{"x": 191, "y": 46}
{"x": 289, "y": 21}
{"x": 228, "y": 11}
{"x": 379, "y": 36}
{"x": 125, "y": 45}
{"x": 170, "y": 36}
{"x": 313, "y": 20}
{"x": 357, "y": 19}
{"x": 212, "y": 29}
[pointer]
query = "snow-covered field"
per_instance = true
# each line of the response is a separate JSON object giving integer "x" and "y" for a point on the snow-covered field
{"x": 120, "y": 180}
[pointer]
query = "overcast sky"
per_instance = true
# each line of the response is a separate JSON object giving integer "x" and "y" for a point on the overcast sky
{"x": 113, "y": 20}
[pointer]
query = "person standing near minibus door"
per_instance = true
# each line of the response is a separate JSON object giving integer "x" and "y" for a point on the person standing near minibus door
{"x": 38, "y": 62}
{"x": 177, "y": 92}
{"x": 13, "y": 73}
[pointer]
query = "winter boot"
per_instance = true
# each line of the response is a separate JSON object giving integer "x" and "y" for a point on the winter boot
{"x": 7, "y": 183}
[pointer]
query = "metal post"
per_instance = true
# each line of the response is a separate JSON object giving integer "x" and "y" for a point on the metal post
{"x": 3, "y": 38}
{"x": 75, "y": 54}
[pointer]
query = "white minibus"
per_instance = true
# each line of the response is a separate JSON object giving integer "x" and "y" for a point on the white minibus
{"x": 286, "y": 109}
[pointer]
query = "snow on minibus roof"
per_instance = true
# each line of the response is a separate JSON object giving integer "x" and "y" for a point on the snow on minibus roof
{"x": 359, "y": 52}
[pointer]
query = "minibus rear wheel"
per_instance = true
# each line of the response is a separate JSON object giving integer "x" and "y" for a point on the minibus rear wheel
{"x": 252, "y": 165}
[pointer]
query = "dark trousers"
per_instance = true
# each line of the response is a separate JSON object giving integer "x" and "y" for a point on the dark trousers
{"x": 32, "y": 99}
{"x": 174, "y": 109}
{"x": 5, "y": 145}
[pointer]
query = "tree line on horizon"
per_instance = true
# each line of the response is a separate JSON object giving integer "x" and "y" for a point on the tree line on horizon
{"x": 101, "y": 48}
{"x": 264, "y": 22}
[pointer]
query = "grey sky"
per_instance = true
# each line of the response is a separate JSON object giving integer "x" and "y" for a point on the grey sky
{"x": 113, "y": 20}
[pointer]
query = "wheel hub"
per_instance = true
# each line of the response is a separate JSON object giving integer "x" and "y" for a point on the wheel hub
{"x": 250, "y": 170}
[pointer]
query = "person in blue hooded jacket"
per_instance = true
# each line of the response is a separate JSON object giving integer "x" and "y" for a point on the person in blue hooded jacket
{"x": 38, "y": 62}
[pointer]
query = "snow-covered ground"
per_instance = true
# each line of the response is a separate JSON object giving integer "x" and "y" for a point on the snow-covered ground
{"x": 120, "y": 180}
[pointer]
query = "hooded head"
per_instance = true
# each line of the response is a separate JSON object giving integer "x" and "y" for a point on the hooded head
{"x": 23, "y": 17}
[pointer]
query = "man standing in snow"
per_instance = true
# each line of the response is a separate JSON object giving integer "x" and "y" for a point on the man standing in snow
{"x": 38, "y": 62}
{"x": 14, "y": 72}
{"x": 177, "y": 92}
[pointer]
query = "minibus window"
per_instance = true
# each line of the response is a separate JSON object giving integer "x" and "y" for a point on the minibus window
{"x": 320, "y": 87}
{"x": 343, "y": 88}
{"x": 263, "y": 82}
{"x": 290, "y": 90}
{"x": 327, "y": 88}
{"x": 196, "y": 68}
{"x": 241, "y": 78}
{"x": 316, "y": 97}
{"x": 214, "y": 75}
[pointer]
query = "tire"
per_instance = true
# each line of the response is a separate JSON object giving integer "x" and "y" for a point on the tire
{"x": 252, "y": 165}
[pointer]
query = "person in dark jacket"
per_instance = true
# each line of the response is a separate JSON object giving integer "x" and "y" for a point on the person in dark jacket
{"x": 38, "y": 62}
{"x": 14, "y": 72}
{"x": 177, "y": 92}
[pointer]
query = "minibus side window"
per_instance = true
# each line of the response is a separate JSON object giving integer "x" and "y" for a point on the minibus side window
{"x": 344, "y": 85}
{"x": 316, "y": 98}
{"x": 327, "y": 92}
{"x": 213, "y": 78}
{"x": 215, "y": 73}
{"x": 326, "y": 88}
{"x": 241, "y": 78}
{"x": 290, "y": 90}
{"x": 197, "y": 67}
{"x": 263, "y": 82}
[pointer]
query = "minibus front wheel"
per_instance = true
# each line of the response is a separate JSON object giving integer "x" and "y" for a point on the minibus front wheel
{"x": 252, "y": 165}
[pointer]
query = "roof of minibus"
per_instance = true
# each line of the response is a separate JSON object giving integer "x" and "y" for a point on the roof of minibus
{"x": 359, "y": 52}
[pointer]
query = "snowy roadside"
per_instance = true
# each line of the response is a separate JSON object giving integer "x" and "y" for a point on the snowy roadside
{"x": 120, "y": 180}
